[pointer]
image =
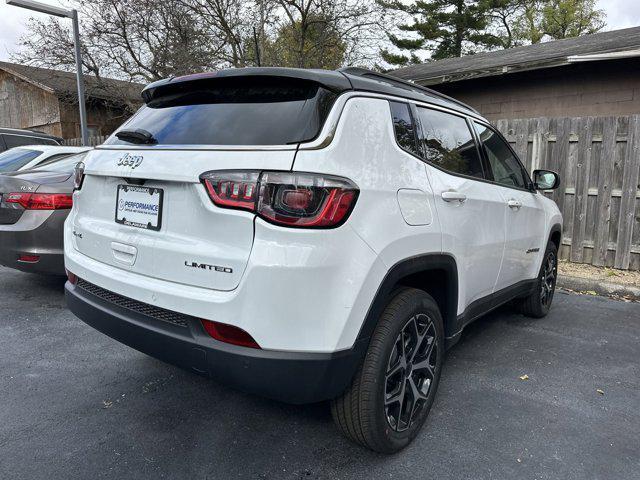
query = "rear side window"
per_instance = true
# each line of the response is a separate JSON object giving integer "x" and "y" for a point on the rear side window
{"x": 505, "y": 167}
{"x": 234, "y": 111}
{"x": 19, "y": 140}
{"x": 404, "y": 127}
{"x": 42, "y": 141}
{"x": 16, "y": 158}
{"x": 448, "y": 143}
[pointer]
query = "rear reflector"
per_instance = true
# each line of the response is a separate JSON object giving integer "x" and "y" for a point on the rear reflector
{"x": 41, "y": 201}
{"x": 229, "y": 334}
{"x": 29, "y": 258}
{"x": 72, "y": 277}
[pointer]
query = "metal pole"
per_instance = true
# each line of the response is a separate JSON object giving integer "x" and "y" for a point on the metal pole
{"x": 84, "y": 131}
{"x": 255, "y": 40}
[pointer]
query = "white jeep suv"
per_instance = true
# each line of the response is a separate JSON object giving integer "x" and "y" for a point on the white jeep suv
{"x": 308, "y": 235}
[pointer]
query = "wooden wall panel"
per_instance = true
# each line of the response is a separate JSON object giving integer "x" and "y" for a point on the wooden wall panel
{"x": 598, "y": 159}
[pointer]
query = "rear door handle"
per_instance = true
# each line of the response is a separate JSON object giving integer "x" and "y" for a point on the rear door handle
{"x": 453, "y": 196}
{"x": 514, "y": 204}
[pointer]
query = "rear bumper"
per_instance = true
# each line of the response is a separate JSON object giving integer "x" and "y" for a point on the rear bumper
{"x": 48, "y": 264}
{"x": 285, "y": 376}
{"x": 36, "y": 233}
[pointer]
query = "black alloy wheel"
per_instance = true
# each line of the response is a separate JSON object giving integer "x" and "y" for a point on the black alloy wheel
{"x": 538, "y": 303}
{"x": 548, "y": 279}
{"x": 410, "y": 372}
{"x": 392, "y": 393}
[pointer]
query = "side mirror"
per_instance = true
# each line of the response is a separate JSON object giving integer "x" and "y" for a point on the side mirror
{"x": 545, "y": 180}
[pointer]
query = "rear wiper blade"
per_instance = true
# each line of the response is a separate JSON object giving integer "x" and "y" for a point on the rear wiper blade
{"x": 136, "y": 136}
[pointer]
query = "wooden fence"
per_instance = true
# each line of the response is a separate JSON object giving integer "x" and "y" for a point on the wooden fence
{"x": 77, "y": 142}
{"x": 598, "y": 159}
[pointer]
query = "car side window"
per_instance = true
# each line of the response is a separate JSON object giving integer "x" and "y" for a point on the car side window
{"x": 505, "y": 167}
{"x": 20, "y": 140}
{"x": 404, "y": 127}
{"x": 447, "y": 142}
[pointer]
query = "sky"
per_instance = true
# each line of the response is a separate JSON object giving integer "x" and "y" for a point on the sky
{"x": 13, "y": 20}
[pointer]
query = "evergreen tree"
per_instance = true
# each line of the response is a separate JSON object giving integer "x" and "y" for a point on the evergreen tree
{"x": 448, "y": 28}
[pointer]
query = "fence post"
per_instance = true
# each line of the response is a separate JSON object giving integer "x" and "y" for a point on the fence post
{"x": 582, "y": 189}
{"x": 605, "y": 174}
{"x": 629, "y": 191}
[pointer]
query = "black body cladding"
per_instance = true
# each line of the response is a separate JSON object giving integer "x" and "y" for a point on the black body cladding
{"x": 290, "y": 377}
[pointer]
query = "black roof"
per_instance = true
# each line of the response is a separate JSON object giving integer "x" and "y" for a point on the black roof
{"x": 348, "y": 79}
{"x": 368, "y": 81}
{"x": 530, "y": 57}
{"x": 30, "y": 133}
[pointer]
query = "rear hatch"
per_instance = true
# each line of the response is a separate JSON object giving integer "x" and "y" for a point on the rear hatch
{"x": 21, "y": 183}
{"x": 142, "y": 206}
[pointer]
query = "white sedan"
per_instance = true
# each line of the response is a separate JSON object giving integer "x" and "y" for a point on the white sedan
{"x": 30, "y": 156}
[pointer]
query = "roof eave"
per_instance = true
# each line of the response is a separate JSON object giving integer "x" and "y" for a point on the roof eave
{"x": 28, "y": 80}
{"x": 524, "y": 67}
{"x": 103, "y": 97}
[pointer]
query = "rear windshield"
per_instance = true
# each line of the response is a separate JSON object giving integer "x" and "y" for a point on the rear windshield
{"x": 16, "y": 158}
{"x": 234, "y": 111}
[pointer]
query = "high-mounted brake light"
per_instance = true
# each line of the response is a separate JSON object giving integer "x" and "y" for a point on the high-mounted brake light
{"x": 294, "y": 199}
{"x": 41, "y": 201}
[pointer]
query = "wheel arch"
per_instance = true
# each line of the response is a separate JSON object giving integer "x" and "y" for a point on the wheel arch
{"x": 555, "y": 235}
{"x": 436, "y": 274}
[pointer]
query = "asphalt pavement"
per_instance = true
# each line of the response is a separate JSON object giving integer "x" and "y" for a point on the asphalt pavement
{"x": 76, "y": 404}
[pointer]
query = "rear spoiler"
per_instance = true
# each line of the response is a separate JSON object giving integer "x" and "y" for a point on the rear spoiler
{"x": 331, "y": 80}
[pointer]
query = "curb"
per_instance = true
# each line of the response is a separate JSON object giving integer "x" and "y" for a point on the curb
{"x": 607, "y": 289}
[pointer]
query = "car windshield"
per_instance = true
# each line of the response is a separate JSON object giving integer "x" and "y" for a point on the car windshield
{"x": 62, "y": 165}
{"x": 16, "y": 158}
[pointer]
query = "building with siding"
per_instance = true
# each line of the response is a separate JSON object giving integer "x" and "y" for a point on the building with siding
{"x": 592, "y": 75}
{"x": 45, "y": 100}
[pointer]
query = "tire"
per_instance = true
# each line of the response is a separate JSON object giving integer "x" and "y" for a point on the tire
{"x": 537, "y": 304}
{"x": 377, "y": 410}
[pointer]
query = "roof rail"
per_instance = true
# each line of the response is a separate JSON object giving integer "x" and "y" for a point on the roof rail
{"x": 395, "y": 81}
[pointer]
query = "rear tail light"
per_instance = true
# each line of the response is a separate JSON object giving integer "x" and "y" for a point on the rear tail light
{"x": 292, "y": 199}
{"x": 229, "y": 334}
{"x": 233, "y": 189}
{"x": 41, "y": 201}
{"x": 78, "y": 175}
